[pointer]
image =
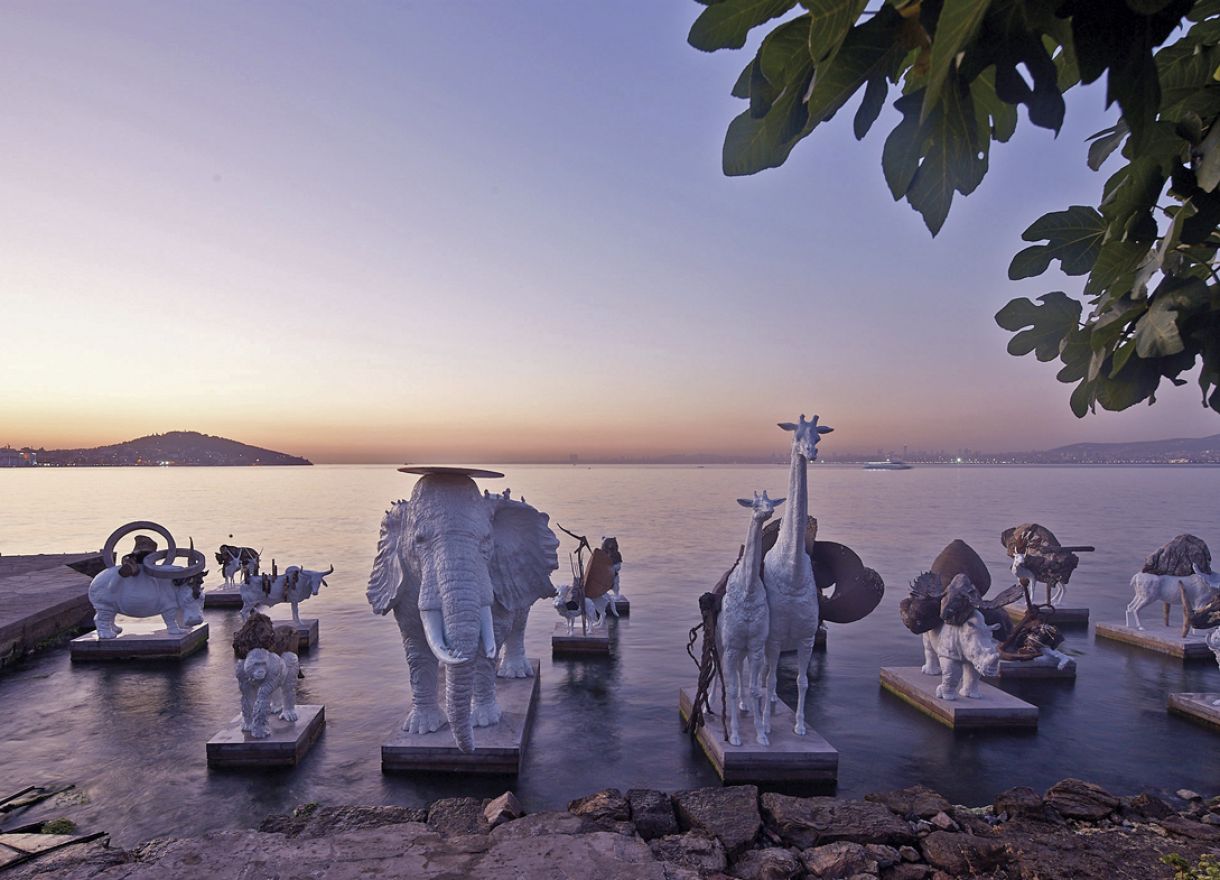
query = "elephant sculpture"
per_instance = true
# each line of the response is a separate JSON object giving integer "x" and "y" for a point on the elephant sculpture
{"x": 460, "y": 571}
{"x": 146, "y": 583}
{"x": 267, "y": 666}
{"x": 294, "y": 586}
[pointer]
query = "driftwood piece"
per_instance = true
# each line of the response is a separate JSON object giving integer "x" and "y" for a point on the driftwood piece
{"x": 1178, "y": 556}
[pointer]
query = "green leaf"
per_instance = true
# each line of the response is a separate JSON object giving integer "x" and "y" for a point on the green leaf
{"x": 900, "y": 156}
{"x": 752, "y": 144}
{"x": 782, "y": 53}
{"x": 954, "y": 161}
{"x": 1115, "y": 267}
{"x": 1135, "y": 382}
{"x": 831, "y": 21}
{"x": 1049, "y": 324}
{"x": 726, "y": 25}
{"x": 1073, "y": 237}
{"x": 870, "y": 108}
{"x": 1104, "y": 143}
{"x": 1122, "y": 354}
{"x": 1082, "y": 399}
{"x": 870, "y": 49}
{"x": 997, "y": 119}
{"x": 1156, "y": 333}
{"x": 958, "y": 23}
{"x": 741, "y": 88}
{"x": 1075, "y": 353}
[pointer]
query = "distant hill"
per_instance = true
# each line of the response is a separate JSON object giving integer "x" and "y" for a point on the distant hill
{"x": 1179, "y": 449}
{"x": 189, "y": 448}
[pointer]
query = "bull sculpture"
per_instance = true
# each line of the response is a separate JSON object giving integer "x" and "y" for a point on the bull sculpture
{"x": 235, "y": 560}
{"x": 147, "y": 583}
{"x": 294, "y": 586}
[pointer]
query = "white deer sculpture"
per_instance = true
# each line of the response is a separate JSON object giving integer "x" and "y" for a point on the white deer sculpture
{"x": 744, "y": 624}
{"x": 792, "y": 593}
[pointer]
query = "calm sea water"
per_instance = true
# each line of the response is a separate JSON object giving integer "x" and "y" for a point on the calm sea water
{"x": 132, "y": 739}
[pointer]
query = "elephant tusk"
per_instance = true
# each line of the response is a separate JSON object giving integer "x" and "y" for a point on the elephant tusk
{"x": 488, "y": 631}
{"x": 434, "y": 632}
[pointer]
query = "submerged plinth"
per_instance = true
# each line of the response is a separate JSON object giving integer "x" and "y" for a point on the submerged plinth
{"x": 222, "y": 597}
{"x": 595, "y": 641}
{"x": 1039, "y": 667}
{"x": 994, "y": 708}
{"x": 1160, "y": 639}
{"x": 623, "y": 605}
{"x": 307, "y": 631}
{"x": 498, "y": 749}
{"x": 287, "y": 745}
{"x": 1197, "y": 707}
{"x": 1061, "y": 616}
{"x": 141, "y": 639}
{"x": 789, "y": 758}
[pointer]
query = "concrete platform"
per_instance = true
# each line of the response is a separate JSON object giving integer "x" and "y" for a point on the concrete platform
{"x": 307, "y": 631}
{"x": 1161, "y": 639}
{"x": 222, "y": 597}
{"x": 288, "y": 744}
{"x": 596, "y": 642}
{"x": 141, "y": 639}
{"x": 41, "y": 598}
{"x": 789, "y": 758}
{"x": 1041, "y": 667}
{"x": 623, "y": 604}
{"x": 996, "y": 709}
{"x": 1063, "y": 616}
{"x": 497, "y": 749}
{"x": 1197, "y": 707}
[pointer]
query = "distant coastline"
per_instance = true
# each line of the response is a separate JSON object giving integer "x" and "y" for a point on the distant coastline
{"x": 173, "y": 449}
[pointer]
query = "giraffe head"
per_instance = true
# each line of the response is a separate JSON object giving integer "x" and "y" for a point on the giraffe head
{"x": 762, "y": 506}
{"x": 807, "y": 435}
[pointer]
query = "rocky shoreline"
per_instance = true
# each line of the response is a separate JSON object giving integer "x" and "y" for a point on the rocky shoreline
{"x": 1075, "y": 830}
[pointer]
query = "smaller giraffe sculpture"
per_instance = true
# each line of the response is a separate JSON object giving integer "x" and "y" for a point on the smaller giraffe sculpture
{"x": 745, "y": 621}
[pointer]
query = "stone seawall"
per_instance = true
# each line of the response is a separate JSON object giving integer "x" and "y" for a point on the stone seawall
{"x": 1074, "y": 830}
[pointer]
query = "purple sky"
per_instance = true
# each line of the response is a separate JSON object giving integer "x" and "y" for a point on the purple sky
{"x": 488, "y": 230}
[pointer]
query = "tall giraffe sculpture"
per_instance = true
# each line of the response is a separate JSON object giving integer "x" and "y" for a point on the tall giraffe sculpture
{"x": 792, "y": 593}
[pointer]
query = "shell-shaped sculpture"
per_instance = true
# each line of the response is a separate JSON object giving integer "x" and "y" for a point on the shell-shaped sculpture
{"x": 1030, "y": 534}
{"x": 1177, "y": 557}
{"x": 958, "y": 557}
{"x": 858, "y": 589}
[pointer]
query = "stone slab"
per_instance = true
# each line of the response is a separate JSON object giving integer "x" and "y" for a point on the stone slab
{"x": 995, "y": 708}
{"x": 623, "y": 604}
{"x": 789, "y": 758}
{"x": 16, "y": 848}
{"x": 1039, "y": 667}
{"x": 596, "y": 641}
{"x": 288, "y": 743}
{"x": 222, "y": 597}
{"x": 141, "y": 639}
{"x": 307, "y": 631}
{"x": 41, "y": 598}
{"x": 498, "y": 749}
{"x": 1197, "y": 707}
{"x": 1063, "y": 616}
{"x": 1160, "y": 639}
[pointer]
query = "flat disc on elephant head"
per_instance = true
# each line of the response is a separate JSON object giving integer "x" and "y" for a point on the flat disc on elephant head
{"x": 452, "y": 471}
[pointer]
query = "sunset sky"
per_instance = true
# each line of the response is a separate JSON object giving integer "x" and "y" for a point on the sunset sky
{"x": 491, "y": 231}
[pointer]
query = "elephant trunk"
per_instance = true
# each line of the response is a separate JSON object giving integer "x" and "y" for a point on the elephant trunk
{"x": 455, "y": 633}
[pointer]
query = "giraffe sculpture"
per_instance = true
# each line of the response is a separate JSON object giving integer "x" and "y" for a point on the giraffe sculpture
{"x": 744, "y": 623}
{"x": 792, "y": 593}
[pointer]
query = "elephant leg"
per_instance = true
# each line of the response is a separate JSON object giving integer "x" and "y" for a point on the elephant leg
{"x": 103, "y": 620}
{"x": 425, "y": 714}
{"x": 803, "y": 653}
{"x": 171, "y": 622}
{"x": 288, "y": 688}
{"x": 970, "y": 682}
{"x": 485, "y": 710}
{"x": 947, "y": 689}
{"x": 514, "y": 663}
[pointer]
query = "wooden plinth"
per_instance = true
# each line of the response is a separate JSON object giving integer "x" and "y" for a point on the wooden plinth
{"x": 141, "y": 639}
{"x": 596, "y": 641}
{"x": 498, "y": 749}
{"x": 1197, "y": 707}
{"x": 623, "y": 604}
{"x": 1039, "y": 667}
{"x": 1063, "y": 616}
{"x": 995, "y": 709}
{"x": 307, "y": 631}
{"x": 287, "y": 745}
{"x": 789, "y": 758}
{"x": 222, "y": 597}
{"x": 1161, "y": 639}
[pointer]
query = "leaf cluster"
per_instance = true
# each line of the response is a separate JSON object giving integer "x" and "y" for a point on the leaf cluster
{"x": 960, "y": 70}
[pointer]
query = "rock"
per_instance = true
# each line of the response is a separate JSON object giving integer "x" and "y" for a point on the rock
{"x": 1147, "y": 805}
{"x": 810, "y": 822}
{"x": 909, "y": 854}
{"x": 1211, "y": 819}
{"x": 963, "y": 855}
{"x": 608, "y": 803}
{"x": 1020, "y": 803}
{"x": 652, "y": 812}
{"x": 1076, "y": 799}
{"x": 884, "y": 855}
{"x": 772, "y": 863}
{"x": 1190, "y": 829}
{"x": 1187, "y": 795}
{"x": 916, "y": 801}
{"x": 728, "y": 814}
{"x": 943, "y": 822}
{"x": 905, "y": 871}
{"x": 503, "y": 809}
{"x": 695, "y": 850}
{"x": 462, "y": 815}
{"x": 311, "y": 820}
{"x": 544, "y": 824}
{"x": 677, "y": 872}
{"x": 837, "y": 861}
{"x": 972, "y": 821}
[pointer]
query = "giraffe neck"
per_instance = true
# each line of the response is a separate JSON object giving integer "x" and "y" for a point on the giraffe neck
{"x": 792, "y": 529}
{"x": 751, "y": 557}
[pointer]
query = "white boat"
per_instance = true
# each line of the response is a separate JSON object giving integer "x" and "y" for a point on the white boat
{"x": 890, "y": 464}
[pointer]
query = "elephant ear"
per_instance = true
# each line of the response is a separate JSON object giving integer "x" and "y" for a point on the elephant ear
{"x": 386, "y": 581}
{"x": 524, "y": 553}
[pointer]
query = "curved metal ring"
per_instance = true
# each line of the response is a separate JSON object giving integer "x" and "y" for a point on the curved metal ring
{"x": 197, "y": 562}
{"x": 142, "y": 525}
